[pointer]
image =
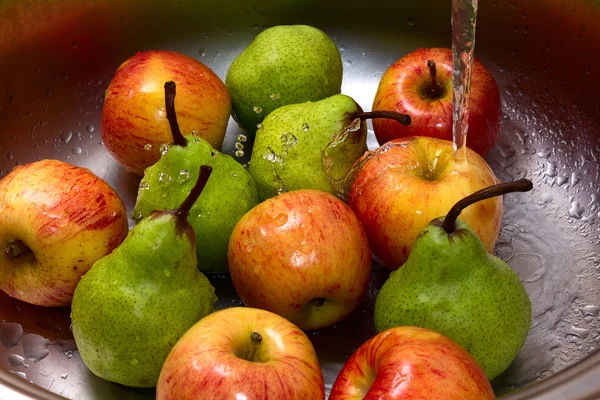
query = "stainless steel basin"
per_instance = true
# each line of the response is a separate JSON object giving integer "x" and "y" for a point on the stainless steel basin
{"x": 58, "y": 57}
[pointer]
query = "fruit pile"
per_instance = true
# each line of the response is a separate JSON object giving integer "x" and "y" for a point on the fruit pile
{"x": 297, "y": 230}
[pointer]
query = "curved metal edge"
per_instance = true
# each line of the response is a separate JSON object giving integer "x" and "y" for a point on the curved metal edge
{"x": 577, "y": 382}
{"x": 580, "y": 381}
{"x": 14, "y": 387}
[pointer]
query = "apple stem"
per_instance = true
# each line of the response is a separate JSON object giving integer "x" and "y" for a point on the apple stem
{"x": 521, "y": 185}
{"x": 434, "y": 89}
{"x": 256, "y": 337}
{"x": 402, "y": 118}
{"x": 15, "y": 249}
{"x": 170, "y": 91}
{"x": 184, "y": 209}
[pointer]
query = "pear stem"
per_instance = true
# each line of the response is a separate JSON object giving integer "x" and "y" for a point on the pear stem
{"x": 434, "y": 89}
{"x": 402, "y": 118}
{"x": 170, "y": 91}
{"x": 15, "y": 248}
{"x": 521, "y": 185}
{"x": 184, "y": 209}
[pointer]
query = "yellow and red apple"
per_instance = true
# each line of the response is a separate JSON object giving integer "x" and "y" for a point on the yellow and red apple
{"x": 56, "y": 220}
{"x": 242, "y": 353}
{"x": 134, "y": 122}
{"x": 411, "y": 86}
{"x": 411, "y": 363}
{"x": 408, "y": 182}
{"x": 303, "y": 255}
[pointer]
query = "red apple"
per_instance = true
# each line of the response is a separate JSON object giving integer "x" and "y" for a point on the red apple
{"x": 134, "y": 122}
{"x": 411, "y": 363}
{"x": 406, "y": 183}
{"x": 407, "y": 87}
{"x": 303, "y": 255}
{"x": 242, "y": 353}
{"x": 56, "y": 220}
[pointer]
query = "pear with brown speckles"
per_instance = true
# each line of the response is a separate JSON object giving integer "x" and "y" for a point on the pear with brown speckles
{"x": 133, "y": 305}
{"x": 452, "y": 285}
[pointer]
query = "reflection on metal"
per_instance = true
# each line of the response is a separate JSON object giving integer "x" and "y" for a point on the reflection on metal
{"x": 57, "y": 59}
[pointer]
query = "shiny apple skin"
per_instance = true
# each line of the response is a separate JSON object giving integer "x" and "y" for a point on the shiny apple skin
{"x": 134, "y": 116}
{"x": 68, "y": 217}
{"x": 297, "y": 247}
{"x": 395, "y": 202}
{"x": 400, "y": 89}
{"x": 411, "y": 363}
{"x": 204, "y": 364}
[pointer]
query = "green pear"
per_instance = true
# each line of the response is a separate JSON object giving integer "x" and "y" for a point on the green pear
{"x": 133, "y": 305}
{"x": 452, "y": 285}
{"x": 227, "y": 197}
{"x": 310, "y": 145}
{"x": 283, "y": 65}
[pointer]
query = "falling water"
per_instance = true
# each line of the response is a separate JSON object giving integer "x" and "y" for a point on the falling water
{"x": 464, "y": 16}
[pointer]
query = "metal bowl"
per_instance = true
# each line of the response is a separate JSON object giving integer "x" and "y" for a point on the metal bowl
{"x": 58, "y": 57}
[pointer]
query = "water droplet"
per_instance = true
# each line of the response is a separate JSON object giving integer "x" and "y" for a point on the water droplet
{"x": 137, "y": 216}
{"x": 20, "y": 374}
{"x": 576, "y": 211}
{"x": 76, "y": 150}
{"x": 343, "y": 47}
{"x": 273, "y": 97}
{"x": 184, "y": 175}
{"x": 10, "y": 155}
{"x": 305, "y": 127}
{"x": 257, "y": 109}
{"x": 147, "y": 146}
{"x": 66, "y": 137}
{"x": 348, "y": 63}
{"x": 561, "y": 180}
{"x": 354, "y": 126}
{"x": 64, "y": 376}
{"x": 167, "y": 272}
{"x": 134, "y": 362}
{"x": 16, "y": 360}
{"x": 239, "y": 153}
{"x": 10, "y": 333}
{"x": 551, "y": 170}
{"x": 195, "y": 133}
{"x": 410, "y": 21}
{"x": 35, "y": 347}
{"x": 69, "y": 354}
{"x": 280, "y": 219}
{"x": 164, "y": 149}
{"x": 202, "y": 52}
{"x": 270, "y": 156}
{"x": 164, "y": 179}
{"x": 242, "y": 138}
{"x": 89, "y": 128}
{"x": 214, "y": 153}
{"x": 197, "y": 140}
{"x": 239, "y": 146}
{"x": 260, "y": 126}
{"x": 144, "y": 185}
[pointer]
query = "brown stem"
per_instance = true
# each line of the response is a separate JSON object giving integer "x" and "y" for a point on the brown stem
{"x": 434, "y": 89}
{"x": 170, "y": 91}
{"x": 256, "y": 337}
{"x": 402, "y": 118}
{"x": 522, "y": 185}
{"x": 184, "y": 209}
{"x": 15, "y": 248}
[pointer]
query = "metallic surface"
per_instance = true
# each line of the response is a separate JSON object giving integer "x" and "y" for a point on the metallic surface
{"x": 57, "y": 59}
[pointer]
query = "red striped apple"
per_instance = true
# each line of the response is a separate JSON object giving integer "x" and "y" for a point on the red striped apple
{"x": 423, "y": 89}
{"x": 242, "y": 353}
{"x": 56, "y": 220}
{"x": 406, "y": 183}
{"x": 303, "y": 255}
{"x": 134, "y": 121}
{"x": 411, "y": 363}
